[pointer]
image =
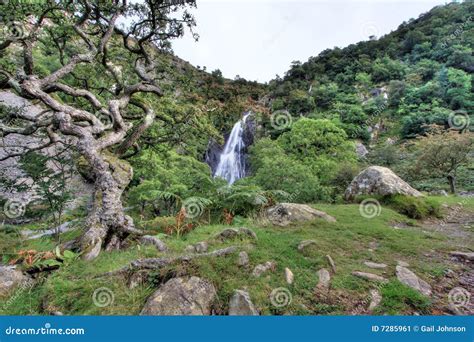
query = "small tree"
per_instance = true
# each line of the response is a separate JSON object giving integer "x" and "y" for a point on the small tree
{"x": 442, "y": 153}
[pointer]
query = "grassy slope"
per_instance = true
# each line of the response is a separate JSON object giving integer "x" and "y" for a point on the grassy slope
{"x": 350, "y": 242}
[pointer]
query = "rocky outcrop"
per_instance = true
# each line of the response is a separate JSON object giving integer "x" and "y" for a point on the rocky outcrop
{"x": 407, "y": 277}
{"x": 324, "y": 278}
{"x": 262, "y": 268}
{"x": 370, "y": 276}
{"x": 10, "y": 279}
{"x": 181, "y": 296}
{"x": 11, "y": 169}
{"x": 243, "y": 259}
{"x": 241, "y": 305}
{"x": 284, "y": 214}
{"x": 153, "y": 240}
{"x": 361, "y": 150}
{"x": 379, "y": 181}
{"x": 232, "y": 233}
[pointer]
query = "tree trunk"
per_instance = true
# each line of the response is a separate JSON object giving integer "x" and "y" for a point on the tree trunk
{"x": 452, "y": 183}
{"x": 107, "y": 226}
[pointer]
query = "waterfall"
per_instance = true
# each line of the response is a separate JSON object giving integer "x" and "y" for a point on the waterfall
{"x": 231, "y": 162}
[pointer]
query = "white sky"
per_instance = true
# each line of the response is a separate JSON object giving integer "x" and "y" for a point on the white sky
{"x": 260, "y": 38}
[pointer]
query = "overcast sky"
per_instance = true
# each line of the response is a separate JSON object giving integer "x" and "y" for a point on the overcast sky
{"x": 258, "y": 39}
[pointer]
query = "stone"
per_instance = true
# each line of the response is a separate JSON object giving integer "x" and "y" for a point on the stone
{"x": 331, "y": 263}
{"x": 303, "y": 244}
{"x": 439, "y": 193}
{"x": 243, "y": 259}
{"x": 201, "y": 247}
{"x": 375, "y": 265}
{"x": 10, "y": 279}
{"x": 232, "y": 233}
{"x": 361, "y": 150}
{"x": 241, "y": 305}
{"x": 407, "y": 277}
{"x": 247, "y": 232}
{"x": 463, "y": 255}
{"x": 153, "y": 240}
{"x": 324, "y": 279}
{"x": 289, "y": 277}
{"x": 284, "y": 214}
{"x": 262, "y": 268}
{"x": 370, "y": 276}
{"x": 181, "y": 296}
{"x": 190, "y": 249}
{"x": 379, "y": 181}
{"x": 375, "y": 299}
{"x": 403, "y": 263}
{"x": 137, "y": 279}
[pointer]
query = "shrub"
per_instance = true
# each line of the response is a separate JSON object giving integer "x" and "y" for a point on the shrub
{"x": 414, "y": 207}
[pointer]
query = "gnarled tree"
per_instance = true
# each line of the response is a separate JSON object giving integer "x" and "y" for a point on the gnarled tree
{"x": 98, "y": 94}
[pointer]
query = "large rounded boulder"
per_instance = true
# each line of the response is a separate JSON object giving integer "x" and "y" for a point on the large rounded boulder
{"x": 186, "y": 296}
{"x": 283, "y": 214}
{"x": 379, "y": 181}
{"x": 10, "y": 279}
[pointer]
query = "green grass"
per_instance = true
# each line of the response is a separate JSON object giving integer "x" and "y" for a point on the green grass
{"x": 350, "y": 242}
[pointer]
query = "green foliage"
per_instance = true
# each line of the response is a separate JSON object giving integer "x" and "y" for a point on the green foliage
{"x": 414, "y": 207}
{"x": 398, "y": 299}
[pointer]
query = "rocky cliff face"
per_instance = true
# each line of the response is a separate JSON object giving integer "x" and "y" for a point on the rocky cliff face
{"x": 10, "y": 168}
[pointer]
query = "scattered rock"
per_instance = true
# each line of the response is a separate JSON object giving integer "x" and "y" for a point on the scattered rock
{"x": 190, "y": 249}
{"x": 241, "y": 305}
{"x": 11, "y": 278}
{"x": 153, "y": 240}
{"x": 380, "y": 181}
{"x": 370, "y": 276}
{"x": 283, "y": 214}
{"x": 137, "y": 278}
{"x": 232, "y": 233}
{"x": 262, "y": 268}
{"x": 463, "y": 255}
{"x": 248, "y": 232}
{"x": 331, "y": 263}
{"x": 35, "y": 234}
{"x": 303, "y": 244}
{"x": 361, "y": 150}
{"x": 407, "y": 277}
{"x": 371, "y": 264}
{"x": 439, "y": 193}
{"x": 243, "y": 259}
{"x": 403, "y": 263}
{"x": 324, "y": 279}
{"x": 201, "y": 247}
{"x": 375, "y": 300}
{"x": 289, "y": 277}
{"x": 181, "y": 296}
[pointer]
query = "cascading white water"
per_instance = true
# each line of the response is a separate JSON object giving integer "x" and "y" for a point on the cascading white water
{"x": 231, "y": 163}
